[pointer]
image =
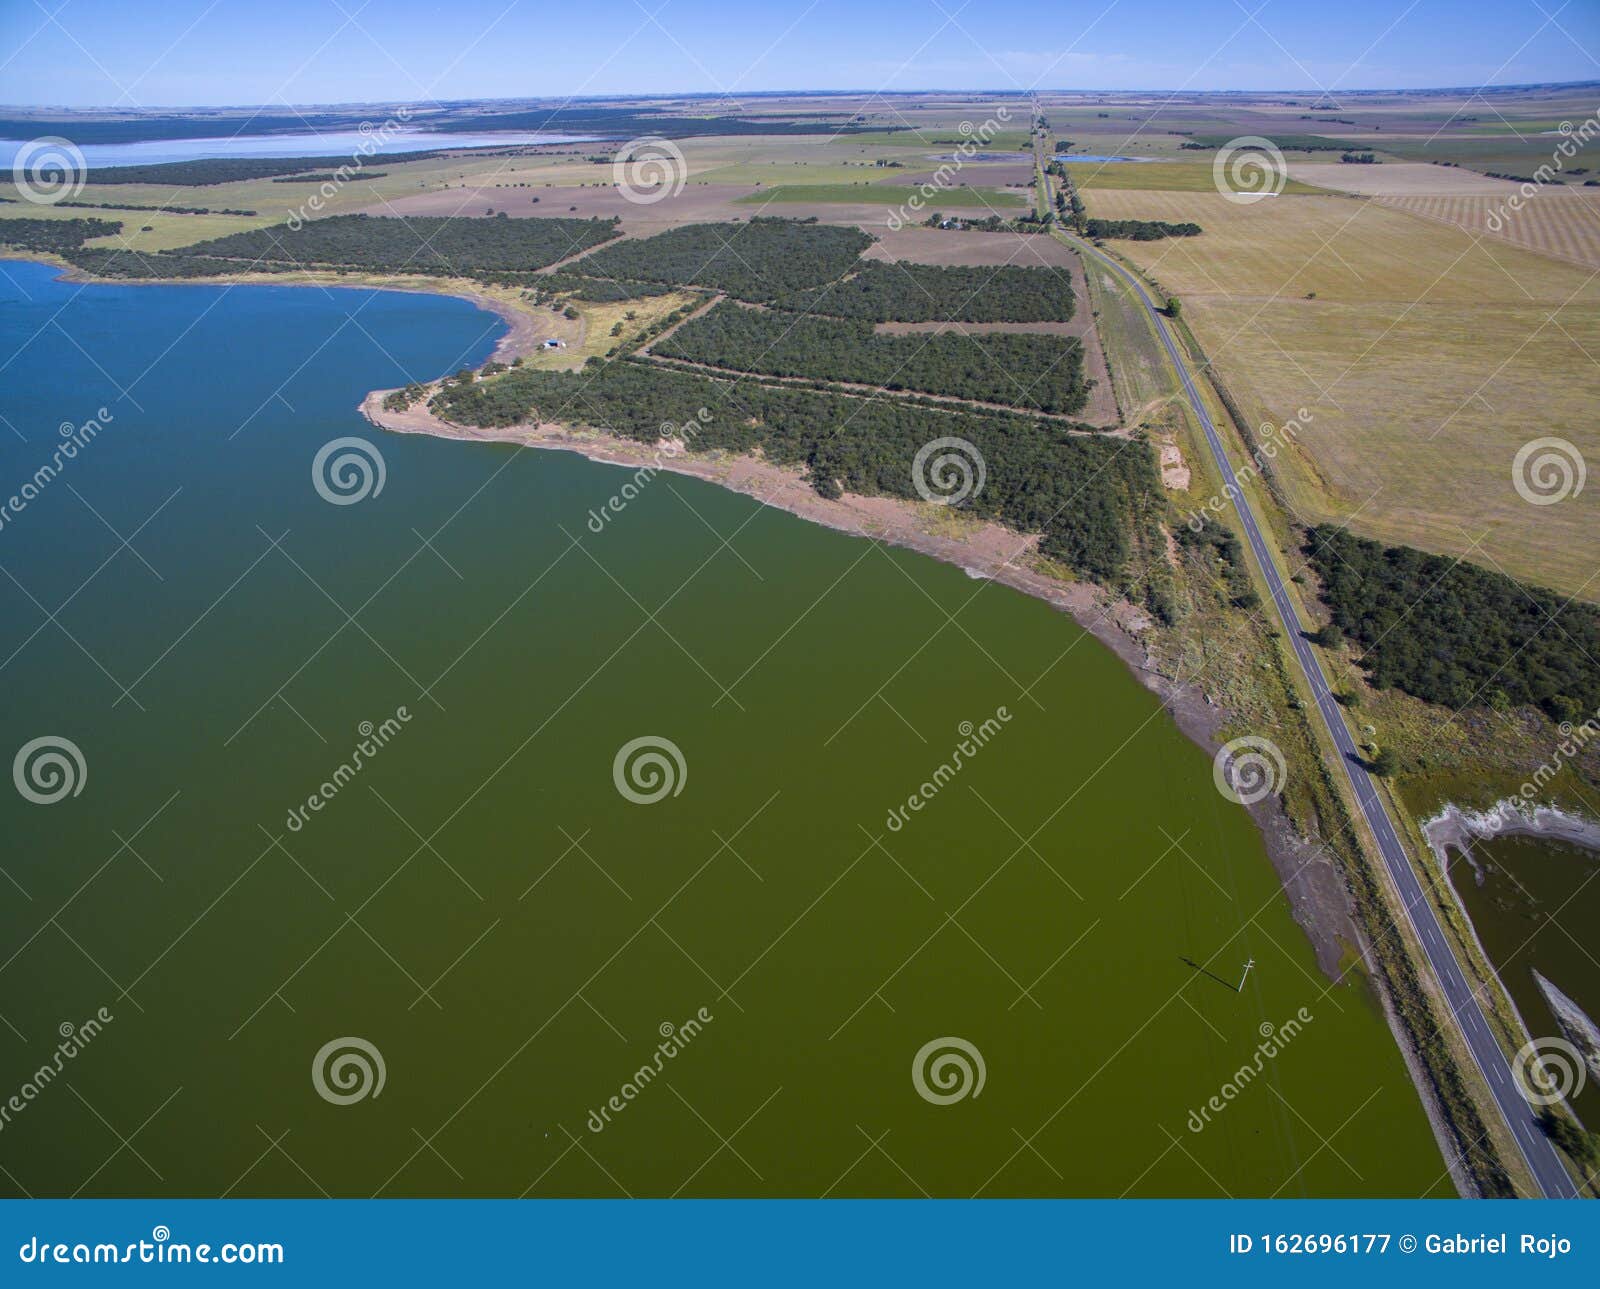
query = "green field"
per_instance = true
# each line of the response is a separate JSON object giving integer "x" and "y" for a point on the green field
{"x": 888, "y": 195}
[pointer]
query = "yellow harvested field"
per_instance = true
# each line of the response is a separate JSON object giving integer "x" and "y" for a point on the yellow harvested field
{"x": 1398, "y": 179}
{"x": 1176, "y": 176}
{"x": 1416, "y": 415}
{"x": 1425, "y": 357}
{"x": 1342, "y": 248}
{"x": 1563, "y": 224}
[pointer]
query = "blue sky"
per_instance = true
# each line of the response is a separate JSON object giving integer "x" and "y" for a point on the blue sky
{"x": 194, "y": 52}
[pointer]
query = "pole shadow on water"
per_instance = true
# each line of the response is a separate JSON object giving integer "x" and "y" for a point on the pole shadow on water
{"x": 1226, "y": 984}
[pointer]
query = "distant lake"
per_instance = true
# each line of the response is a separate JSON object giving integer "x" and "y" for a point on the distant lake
{"x": 1088, "y": 156}
{"x": 343, "y": 143}
{"x": 478, "y": 900}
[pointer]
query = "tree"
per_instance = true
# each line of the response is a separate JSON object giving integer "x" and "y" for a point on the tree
{"x": 1583, "y": 1147}
{"x": 1386, "y": 763}
{"x": 1173, "y": 307}
{"x": 1329, "y": 637}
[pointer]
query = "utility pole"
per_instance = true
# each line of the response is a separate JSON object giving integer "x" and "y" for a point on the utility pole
{"x": 1246, "y": 976}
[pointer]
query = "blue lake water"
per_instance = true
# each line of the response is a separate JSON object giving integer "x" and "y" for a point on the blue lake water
{"x": 1086, "y": 156}
{"x": 344, "y": 143}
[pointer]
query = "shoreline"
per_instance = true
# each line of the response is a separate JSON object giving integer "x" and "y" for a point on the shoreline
{"x": 1318, "y": 898}
{"x": 1314, "y": 887}
{"x": 518, "y": 341}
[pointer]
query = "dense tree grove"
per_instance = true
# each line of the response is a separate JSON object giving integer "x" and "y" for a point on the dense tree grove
{"x": 757, "y": 260}
{"x": 1457, "y": 634}
{"x": 54, "y": 235}
{"x": 1040, "y": 372}
{"x": 108, "y": 263}
{"x": 903, "y": 292}
{"x": 325, "y": 176}
{"x": 1138, "y": 230}
{"x": 1092, "y": 497}
{"x": 226, "y": 170}
{"x": 418, "y": 244}
{"x": 163, "y": 210}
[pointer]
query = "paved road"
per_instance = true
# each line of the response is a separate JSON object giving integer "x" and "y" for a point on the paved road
{"x": 1546, "y": 1166}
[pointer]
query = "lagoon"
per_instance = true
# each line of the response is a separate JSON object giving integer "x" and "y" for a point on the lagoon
{"x": 339, "y": 143}
{"x": 482, "y": 904}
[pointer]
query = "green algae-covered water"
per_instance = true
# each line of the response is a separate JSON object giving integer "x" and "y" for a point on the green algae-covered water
{"x": 526, "y": 981}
